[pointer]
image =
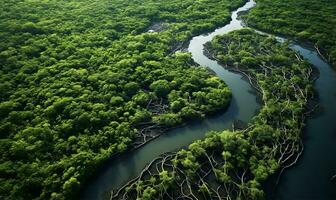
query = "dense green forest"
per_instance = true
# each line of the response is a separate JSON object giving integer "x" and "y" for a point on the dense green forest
{"x": 79, "y": 81}
{"x": 308, "y": 20}
{"x": 234, "y": 164}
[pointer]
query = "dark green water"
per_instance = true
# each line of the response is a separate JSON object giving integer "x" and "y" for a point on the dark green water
{"x": 243, "y": 107}
{"x": 309, "y": 179}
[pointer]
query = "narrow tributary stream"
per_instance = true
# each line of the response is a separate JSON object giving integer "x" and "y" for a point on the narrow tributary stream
{"x": 320, "y": 144}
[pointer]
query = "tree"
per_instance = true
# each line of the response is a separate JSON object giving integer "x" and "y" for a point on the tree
{"x": 141, "y": 116}
{"x": 142, "y": 98}
{"x": 168, "y": 119}
{"x": 160, "y": 87}
{"x": 131, "y": 88}
{"x": 177, "y": 105}
{"x": 189, "y": 113}
{"x": 148, "y": 193}
{"x": 6, "y": 107}
{"x": 71, "y": 186}
{"x": 116, "y": 100}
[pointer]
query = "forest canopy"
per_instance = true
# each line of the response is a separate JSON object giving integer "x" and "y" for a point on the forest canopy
{"x": 80, "y": 79}
{"x": 235, "y": 164}
{"x": 308, "y": 21}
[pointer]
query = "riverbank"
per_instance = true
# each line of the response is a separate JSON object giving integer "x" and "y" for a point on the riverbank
{"x": 196, "y": 158}
{"x": 311, "y": 104}
{"x": 150, "y": 190}
{"x": 242, "y": 107}
{"x": 301, "y": 20}
{"x": 271, "y": 144}
{"x": 311, "y": 177}
{"x": 319, "y": 139}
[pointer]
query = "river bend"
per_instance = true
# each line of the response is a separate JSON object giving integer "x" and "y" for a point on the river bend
{"x": 310, "y": 179}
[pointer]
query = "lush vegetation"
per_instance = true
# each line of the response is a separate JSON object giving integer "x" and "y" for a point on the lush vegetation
{"x": 82, "y": 80}
{"x": 234, "y": 164}
{"x": 306, "y": 20}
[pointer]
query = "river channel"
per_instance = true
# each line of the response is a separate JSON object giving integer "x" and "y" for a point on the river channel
{"x": 309, "y": 179}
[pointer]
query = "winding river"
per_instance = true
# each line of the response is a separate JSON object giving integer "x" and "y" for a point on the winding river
{"x": 310, "y": 179}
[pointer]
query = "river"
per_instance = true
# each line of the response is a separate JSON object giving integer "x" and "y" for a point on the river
{"x": 313, "y": 170}
{"x": 310, "y": 178}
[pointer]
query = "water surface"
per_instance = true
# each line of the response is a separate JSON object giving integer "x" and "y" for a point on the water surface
{"x": 308, "y": 180}
{"x": 243, "y": 107}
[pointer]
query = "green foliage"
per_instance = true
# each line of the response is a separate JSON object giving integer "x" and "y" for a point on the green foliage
{"x": 160, "y": 87}
{"x": 168, "y": 120}
{"x": 304, "y": 20}
{"x": 243, "y": 160}
{"x": 77, "y": 79}
{"x": 131, "y": 88}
